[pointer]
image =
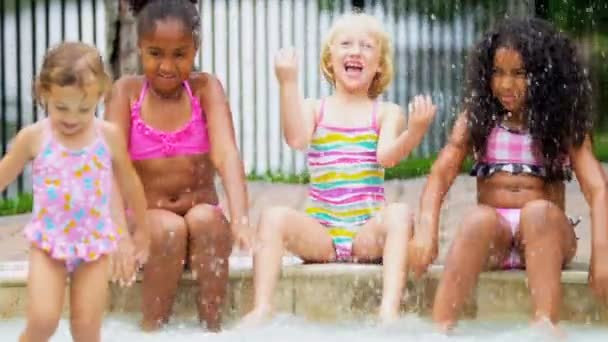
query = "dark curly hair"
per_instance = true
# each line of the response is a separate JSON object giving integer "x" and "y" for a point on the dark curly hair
{"x": 148, "y": 12}
{"x": 558, "y": 100}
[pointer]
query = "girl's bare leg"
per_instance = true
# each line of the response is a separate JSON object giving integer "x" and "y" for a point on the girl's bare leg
{"x": 484, "y": 239}
{"x": 548, "y": 242}
{"x": 279, "y": 229}
{"x": 386, "y": 236}
{"x": 46, "y": 281}
{"x": 164, "y": 268}
{"x": 88, "y": 299}
{"x": 210, "y": 244}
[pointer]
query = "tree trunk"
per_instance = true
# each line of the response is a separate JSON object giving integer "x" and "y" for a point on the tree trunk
{"x": 121, "y": 29}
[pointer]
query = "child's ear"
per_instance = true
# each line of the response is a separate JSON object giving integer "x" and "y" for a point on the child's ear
{"x": 42, "y": 96}
{"x": 378, "y": 74}
{"x": 138, "y": 49}
{"x": 43, "y": 104}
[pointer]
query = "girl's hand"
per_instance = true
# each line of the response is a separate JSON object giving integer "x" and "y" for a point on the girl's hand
{"x": 598, "y": 273}
{"x": 286, "y": 65}
{"x": 141, "y": 245}
{"x": 423, "y": 248}
{"x": 122, "y": 262}
{"x": 421, "y": 113}
{"x": 243, "y": 236}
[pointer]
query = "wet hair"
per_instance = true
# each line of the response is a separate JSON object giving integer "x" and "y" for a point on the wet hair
{"x": 148, "y": 12}
{"x": 382, "y": 80}
{"x": 71, "y": 64}
{"x": 558, "y": 99}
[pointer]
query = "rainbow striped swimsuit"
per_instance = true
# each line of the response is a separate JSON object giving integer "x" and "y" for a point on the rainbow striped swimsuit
{"x": 346, "y": 180}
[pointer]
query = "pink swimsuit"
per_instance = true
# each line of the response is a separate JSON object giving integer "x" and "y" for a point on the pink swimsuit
{"x": 146, "y": 142}
{"x": 511, "y": 151}
{"x": 71, "y": 216}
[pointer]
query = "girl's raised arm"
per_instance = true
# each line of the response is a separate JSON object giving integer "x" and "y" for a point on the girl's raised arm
{"x": 394, "y": 142}
{"x": 297, "y": 113}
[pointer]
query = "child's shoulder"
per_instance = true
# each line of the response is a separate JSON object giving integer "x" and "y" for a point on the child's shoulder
{"x": 33, "y": 131}
{"x": 129, "y": 85}
{"x": 205, "y": 84}
{"x": 30, "y": 136}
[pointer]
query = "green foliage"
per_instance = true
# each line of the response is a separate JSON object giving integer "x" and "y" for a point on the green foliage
{"x": 23, "y": 203}
{"x": 278, "y": 177}
{"x": 576, "y": 16}
{"x": 600, "y": 146}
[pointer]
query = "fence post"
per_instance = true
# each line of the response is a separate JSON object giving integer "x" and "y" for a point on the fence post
{"x": 122, "y": 38}
{"x": 111, "y": 27}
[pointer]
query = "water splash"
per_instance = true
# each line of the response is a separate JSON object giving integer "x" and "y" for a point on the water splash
{"x": 289, "y": 328}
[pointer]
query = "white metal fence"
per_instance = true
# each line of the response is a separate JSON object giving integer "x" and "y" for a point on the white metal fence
{"x": 239, "y": 40}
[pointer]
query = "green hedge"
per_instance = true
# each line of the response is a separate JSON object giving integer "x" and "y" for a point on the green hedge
{"x": 19, "y": 205}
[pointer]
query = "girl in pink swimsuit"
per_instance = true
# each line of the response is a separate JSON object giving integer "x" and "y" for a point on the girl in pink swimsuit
{"x": 180, "y": 135}
{"x": 527, "y": 120}
{"x": 72, "y": 231}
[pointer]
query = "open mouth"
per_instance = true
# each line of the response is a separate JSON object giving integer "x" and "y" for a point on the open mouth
{"x": 353, "y": 68}
{"x": 167, "y": 77}
{"x": 508, "y": 99}
{"x": 69, "y": 126}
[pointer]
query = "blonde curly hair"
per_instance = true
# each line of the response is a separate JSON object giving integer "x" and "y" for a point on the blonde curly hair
{"x": 382, "y": 79}
{"x": 71, "y": 64}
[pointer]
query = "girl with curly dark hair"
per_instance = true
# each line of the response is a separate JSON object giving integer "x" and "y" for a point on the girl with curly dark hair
{"x": 527, "y": 121}
{"x": 180, "y": 133}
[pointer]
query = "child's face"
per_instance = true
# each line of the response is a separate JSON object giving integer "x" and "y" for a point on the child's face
{"x": 509, "y": 80}
{"x": 355, "y": 58}
{"x": 72, "y": 108}
{"x": 167, "y": 55}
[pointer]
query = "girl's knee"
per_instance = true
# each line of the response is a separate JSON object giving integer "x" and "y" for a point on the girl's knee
{"x": 208, "y": 220}
{"x": 479, "y": 224}
{"x": 273, "y": 220}
{"x": 167, "y": 230}
{"x": 538, "y": 210}
{"x": 540, "y": 218}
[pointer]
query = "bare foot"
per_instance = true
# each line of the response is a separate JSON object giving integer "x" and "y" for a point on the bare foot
{"x": 387, "y": 317}
{"x": 545, "y": 325}
{"x": 255, "y": 318}
{"x": 150, "y": 326}
{"x": 445, "y": 328}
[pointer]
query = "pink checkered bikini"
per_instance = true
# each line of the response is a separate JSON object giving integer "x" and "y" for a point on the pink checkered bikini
{"x": 513, "y": 152}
